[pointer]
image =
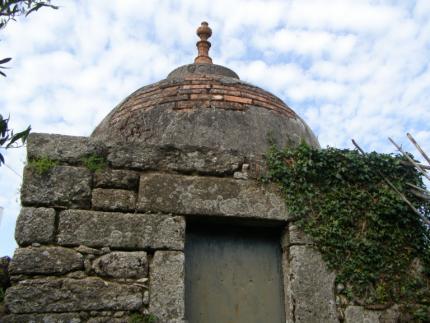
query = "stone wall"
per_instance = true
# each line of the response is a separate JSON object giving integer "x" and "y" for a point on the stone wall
{"x": 104, "y": 246}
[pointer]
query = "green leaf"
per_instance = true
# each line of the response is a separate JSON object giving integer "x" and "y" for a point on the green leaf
{"x": 20, "y": 135}
{"x": 5, "y": 60}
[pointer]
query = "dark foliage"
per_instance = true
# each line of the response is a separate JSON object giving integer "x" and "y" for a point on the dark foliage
{"x": 9, "y": 139}
{"x": 378, "y": 246}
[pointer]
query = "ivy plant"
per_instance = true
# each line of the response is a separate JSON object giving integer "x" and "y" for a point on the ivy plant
{"x": 379, "y": 248}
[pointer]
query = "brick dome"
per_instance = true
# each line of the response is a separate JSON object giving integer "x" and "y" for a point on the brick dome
{"x": 204, "y": 105}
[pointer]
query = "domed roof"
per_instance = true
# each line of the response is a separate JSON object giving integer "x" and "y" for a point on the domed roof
{"x": 204, "y": 105}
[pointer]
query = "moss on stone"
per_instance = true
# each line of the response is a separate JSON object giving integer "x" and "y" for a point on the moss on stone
{"x": 42, "y": 165}
{"x": 95, "y": 163}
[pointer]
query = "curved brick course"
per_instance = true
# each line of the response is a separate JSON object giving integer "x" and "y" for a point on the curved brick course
{"x": 200, "y": 92}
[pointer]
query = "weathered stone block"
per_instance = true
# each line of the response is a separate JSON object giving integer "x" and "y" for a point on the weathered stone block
{"x": 65, "y": 186}
{"x": 69, "y": 149}
{"x": 111, "y": 178}
{"x": 44, "y": 318}
{"x": 63, "y": 294}
{"x": 122, "y": 265}
{"x": 167, "y": 286}
{"x": 297, "y": 237}
{"x": 121, "y": 230}
{"x": 125, "y": 156}
{"x": 178, "y": 158}
{"x": 199, "y": 195}
{"x": 288, "y": 304}
{"x": 203, "y": 160}
{"x": 45, "y": 260}
{"x": 88, "y": 251}
{"x": 113, "y": 199}
{"x": 358, "y": 314}
{"x": 35, "y": 225}
{"x": 309, "y": 287}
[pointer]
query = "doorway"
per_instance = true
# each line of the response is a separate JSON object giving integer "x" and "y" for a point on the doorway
{"x": 233, "y": 274}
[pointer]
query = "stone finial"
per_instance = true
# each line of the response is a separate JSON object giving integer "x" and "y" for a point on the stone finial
{"x": 204, "y": 32}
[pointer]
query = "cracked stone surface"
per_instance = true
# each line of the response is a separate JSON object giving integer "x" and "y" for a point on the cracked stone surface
{"x": 35, "y": 225}
{"x": 121, "y": 230}
{"x": 167, "y": 286}
{"x": 62, "y": 294}
{"x": 45, "y": 260}
{"x": 309, "y": 287}
{"x": 61, "y": 186}
{"x": 122, "y": 264}
{"x": 198, "y": 195}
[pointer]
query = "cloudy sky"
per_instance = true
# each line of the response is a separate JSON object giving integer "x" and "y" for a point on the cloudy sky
{"x": 351, "y": 68}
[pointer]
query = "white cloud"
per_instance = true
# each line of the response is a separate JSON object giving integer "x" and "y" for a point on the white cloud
{"x": 347, "y": 15}
{"x": 305, "y": 42}
{"x": 352, "y": 68}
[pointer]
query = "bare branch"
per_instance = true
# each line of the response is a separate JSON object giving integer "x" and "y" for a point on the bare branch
{"x": 413, "y": 162}
{"x": 421, "y": 195}
{"x": 358, "y": 147}
{"x": 406, "y": 163}
{"x": 418, "y": 147}
{"x": 417, "y": 188}
{"x": 402, "y": 196}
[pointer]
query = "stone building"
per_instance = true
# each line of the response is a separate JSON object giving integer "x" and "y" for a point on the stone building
{"x": 160, "y": 213}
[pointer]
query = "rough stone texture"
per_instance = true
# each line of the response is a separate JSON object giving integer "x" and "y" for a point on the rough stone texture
{"x": 212, "y": 112}
{"x": 35, "y": 225}
{"x": 88, "y": 251}
{"x": 69, "y": 149}
{"x": 167, "y": 286}
{"x": 358, "y": 314}
{"x": 111, "y": 178}
{"x": 44, "y": 318}
{"x": 286, "y": 283}
{"x": 209, "y": 196}
{"x": 45, "y": 260}
{"x": 182, "y": 158}
{"x": 64, "y": 186}
{"x": 121, "y": 230}
{"x": 201, "y": 69}
{"x": 310, "y": 287}
{"x": 122, "y": 265}
{"x": 65, "y": 294}
{"x": 113, "y": 199}
{"x": 297, "y": 236}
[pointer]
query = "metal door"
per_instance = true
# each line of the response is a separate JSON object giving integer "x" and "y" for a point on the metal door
{"x": 233, "y": 275}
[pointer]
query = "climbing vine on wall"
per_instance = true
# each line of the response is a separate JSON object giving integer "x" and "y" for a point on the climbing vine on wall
{"x": 378, "y": 246}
